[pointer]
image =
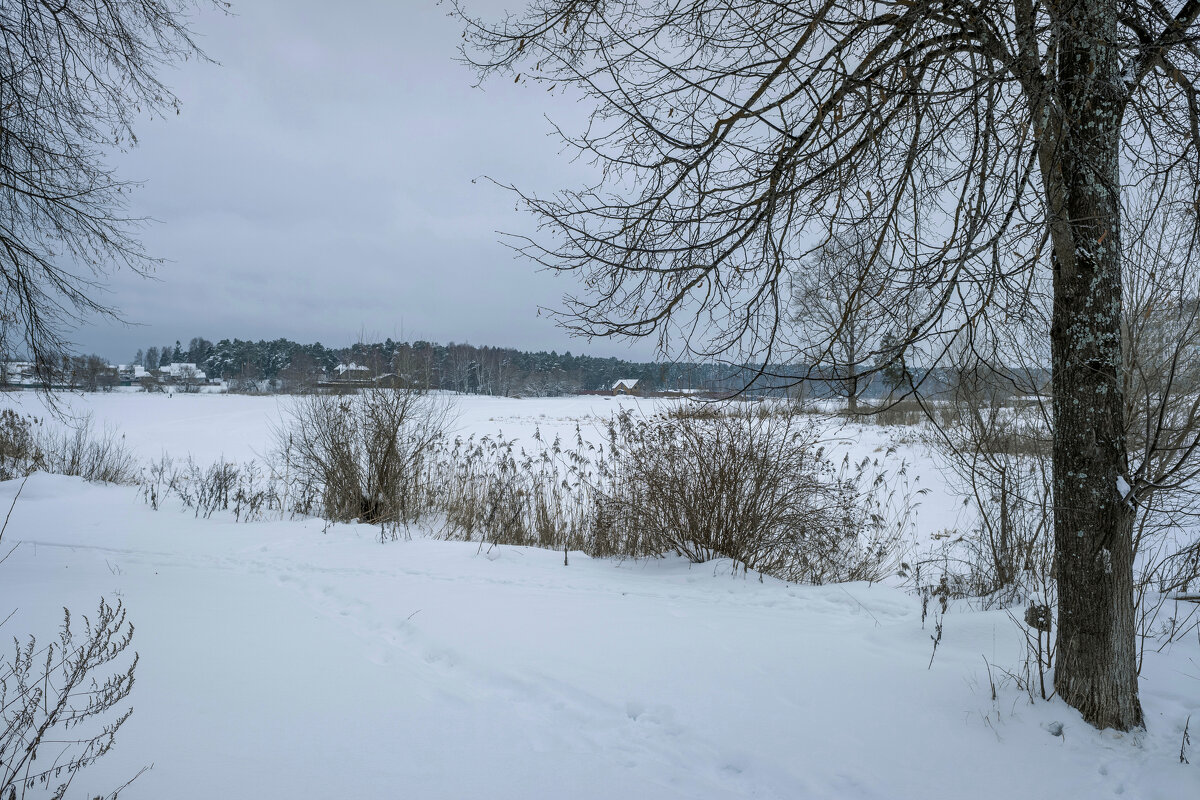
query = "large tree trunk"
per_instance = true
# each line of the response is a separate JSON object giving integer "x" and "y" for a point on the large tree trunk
{"x": 1096, "y": 670}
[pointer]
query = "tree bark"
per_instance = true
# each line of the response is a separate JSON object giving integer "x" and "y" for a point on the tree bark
{"x": 1093, "y": 522}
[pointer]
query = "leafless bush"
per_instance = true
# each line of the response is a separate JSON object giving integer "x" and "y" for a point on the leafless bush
{"x": 1166, "y": 567}
{"x": 246, "y": 490}
{"x": 26, "y": 446}
{"x": 59, "y": 704}
{"x": 1008, "y": 554}
{"x": 757, "y": 489}
{"x": 365, "y": 454}
{"x": 77, "y": 450}
{"x": 19, "y": 451}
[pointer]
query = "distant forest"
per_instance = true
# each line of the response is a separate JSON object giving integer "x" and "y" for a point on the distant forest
{"x": 456, "y": 367}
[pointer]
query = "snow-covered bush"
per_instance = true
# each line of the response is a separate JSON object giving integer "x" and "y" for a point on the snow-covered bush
{"x": 364, "y": 454}
{"x": 755, "y": 488}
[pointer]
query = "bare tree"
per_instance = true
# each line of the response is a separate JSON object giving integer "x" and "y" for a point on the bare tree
{"x": 983, "y": 141}
{"x": 151, "y": 358}
{"x": 995, "y": 444}
{"x": 836, "y": 314}
{"x": 301, "y": 374}
{"x": 1161, "y": 336}
{"x": 73, "y": 76}
{"x": 1162, "y": 395}
{"x": 188, "y": 378}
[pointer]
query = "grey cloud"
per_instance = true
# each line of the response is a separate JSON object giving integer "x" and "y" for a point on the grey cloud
{"x": 319, "y": 183}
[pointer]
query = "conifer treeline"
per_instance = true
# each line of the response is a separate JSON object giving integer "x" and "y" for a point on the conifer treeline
{"x": 456, "y": 367}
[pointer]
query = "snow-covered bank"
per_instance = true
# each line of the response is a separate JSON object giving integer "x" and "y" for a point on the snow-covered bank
{"x": 278, "y": 660}
{"x": 237, "y": 428}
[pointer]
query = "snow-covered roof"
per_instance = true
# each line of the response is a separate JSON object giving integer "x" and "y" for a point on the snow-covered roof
{"x": 20, "y": 372}
{"x": 180, "y": 370}
{"x": 342, "y": 369}
{"x": 625, "y": 383}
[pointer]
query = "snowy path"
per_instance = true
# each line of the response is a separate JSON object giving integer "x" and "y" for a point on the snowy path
{"x": 278, "y": 661}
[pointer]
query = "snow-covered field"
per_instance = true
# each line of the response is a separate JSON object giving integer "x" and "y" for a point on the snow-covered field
{"x": 292, "y": 659}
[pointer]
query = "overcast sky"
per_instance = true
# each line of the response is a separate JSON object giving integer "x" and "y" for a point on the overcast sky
{"x": 319, "y": 185}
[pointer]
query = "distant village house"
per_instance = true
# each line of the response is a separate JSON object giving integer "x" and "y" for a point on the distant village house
{"x": 352, "y": 372}
{"x": 131, "y": 374}
{"x": 181, "y": 373}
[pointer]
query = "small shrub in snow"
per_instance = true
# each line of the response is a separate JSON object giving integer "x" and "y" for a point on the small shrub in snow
{"x": 26, "y": 446}
{"x": 246, "y": 490}
{"x": 18, "y": 446}
{"x": 60, "y": 704}
{"x": 78, "y": 451}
